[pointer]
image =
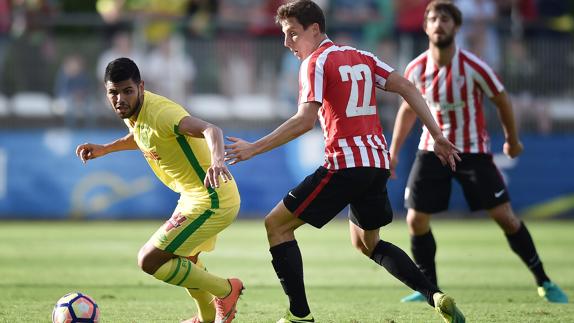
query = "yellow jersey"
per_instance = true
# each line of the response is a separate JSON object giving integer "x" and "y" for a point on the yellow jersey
{"x": 179, "y": 161}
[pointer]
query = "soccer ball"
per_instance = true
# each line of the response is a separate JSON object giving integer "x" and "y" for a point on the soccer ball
{"x": 75, "y": 308}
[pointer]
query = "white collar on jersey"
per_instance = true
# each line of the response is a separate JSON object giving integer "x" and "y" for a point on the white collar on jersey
{"x": 326, "y": 40}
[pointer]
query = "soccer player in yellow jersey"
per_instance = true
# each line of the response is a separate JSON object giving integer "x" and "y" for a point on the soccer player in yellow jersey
{"x": 187, "y": 155}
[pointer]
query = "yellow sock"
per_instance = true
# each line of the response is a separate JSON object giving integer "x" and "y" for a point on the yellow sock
{"x": 203, "y": 300}
{"x": 181, "y": 271}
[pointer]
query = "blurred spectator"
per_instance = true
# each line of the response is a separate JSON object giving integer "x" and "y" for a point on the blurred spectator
{"x": 5, "y": 28}
{"x": 532, "y": 113}
{"x": 556, "y": 16}
{"x": 72, "y": 92}
{"x": 110, "y": 10}
{"x": 121, "y": 47}
{"x": 237, "y": 66}
{"x": 380, "y": 30}
{"x": 169, "y": 71}
{"x": 163, "y": 17}
{"x": 32, "y": 15}
{"x": 235, "y": 15}
{"x": 288, "y": 81}
{"x": 352, "y": 16}
{"x": 32, "y": 47}
{"x": 254, "y": 17}
{"x": 262, "y": 23}
{"x": 158, "y": 18}
{"x": 516, "y": 16}
{"x": 478, "y": 32}
{"x": 520, "y": 70}
{"x": 201, "y": 18}
{"x": 409, "y": 25}
{"x": 410, "y": 14}
{"x": 553, "y": 47}
{"x": 235, "y": 48}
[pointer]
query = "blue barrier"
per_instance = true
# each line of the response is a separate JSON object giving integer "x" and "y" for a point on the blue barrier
{"x": 40, "y": 176}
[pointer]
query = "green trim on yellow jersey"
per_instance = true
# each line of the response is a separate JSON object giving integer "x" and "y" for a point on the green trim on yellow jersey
{"x": 188, "y": 231}
{"x": 184, "y": 145}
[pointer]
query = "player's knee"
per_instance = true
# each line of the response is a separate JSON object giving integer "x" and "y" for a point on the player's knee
{"x": 273, "y": 228}
{"x": 505, "y": 217}
{"x": 269, "y": 224}
{"x": 278, "y": 231}
{"x": 146, "y": 263}
{"x": 418, "y": 222}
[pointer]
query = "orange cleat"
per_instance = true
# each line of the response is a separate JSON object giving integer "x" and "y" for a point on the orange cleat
{"x": 225, "y": 307}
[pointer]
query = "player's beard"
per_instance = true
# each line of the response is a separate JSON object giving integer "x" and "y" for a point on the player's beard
{"x": 444, "y": 42}
{"x": 133, "y": 110}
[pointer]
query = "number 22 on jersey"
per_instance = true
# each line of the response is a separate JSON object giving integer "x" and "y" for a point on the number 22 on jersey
{"x": 355, "y": 73}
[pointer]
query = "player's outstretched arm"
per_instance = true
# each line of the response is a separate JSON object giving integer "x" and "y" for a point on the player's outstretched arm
{"x": 512, "y": 145}
{"x": 89, "y": 151}
{"x": 404, "y": 122}
{"x": 444, "y": 149}
{"x": 301, "y": 122}
{"x": 213, "y": 135}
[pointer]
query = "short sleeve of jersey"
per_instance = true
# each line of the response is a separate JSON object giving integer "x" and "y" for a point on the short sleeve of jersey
{"x": 484, "y": 76}
{"x": 311, "y": 83}
{"x": 169, "y": 117}
{"x": 382, "y": 71}
{"x": 415, "y": 69}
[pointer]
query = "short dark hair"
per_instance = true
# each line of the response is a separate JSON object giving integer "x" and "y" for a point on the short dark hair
{"x": 444, "y": 6}
{"x": 305, "y": 11}
{"x": 122, "y": 69}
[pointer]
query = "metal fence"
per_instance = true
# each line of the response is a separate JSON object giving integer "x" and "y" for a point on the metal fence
{"x": 55, "y": 78}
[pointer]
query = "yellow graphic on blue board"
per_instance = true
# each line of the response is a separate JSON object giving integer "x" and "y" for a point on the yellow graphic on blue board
{"x": 552, "y": 208}
{"x": 118, "y": 190}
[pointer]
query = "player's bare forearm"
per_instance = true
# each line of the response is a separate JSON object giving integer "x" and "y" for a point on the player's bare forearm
{"x": 512, "y": 147}
{"x": 195, "y": 127}
{"x": 398, "y": 84}
{"x": 295, "y": 126}
{"x": 506, "y": 115}
{"x": 444, "y": 149}
{"x": 89, "y": 151}
{"x": 125, "y": 143}
{"x": 413, "y": 97}
{"x": 289, "y": 130}
{"x": 214, "y": 137}
{"x": 403, "y": 124}
{"x": 241, "y": 150}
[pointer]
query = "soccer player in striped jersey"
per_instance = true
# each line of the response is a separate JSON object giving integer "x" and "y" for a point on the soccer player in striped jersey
{"x": 453, "y": 82}
{"x": 187, "y": 155}
{"x": 337, "y": 86}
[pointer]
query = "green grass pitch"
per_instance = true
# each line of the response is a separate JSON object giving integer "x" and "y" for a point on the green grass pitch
{"x": 41, "y": 261}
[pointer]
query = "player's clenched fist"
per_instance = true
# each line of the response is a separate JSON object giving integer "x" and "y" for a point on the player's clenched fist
{"x": 89, "y": 151}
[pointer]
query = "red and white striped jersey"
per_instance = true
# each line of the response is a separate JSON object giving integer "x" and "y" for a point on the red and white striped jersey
{"x": 343, "y": 79}
{"x": 454, "y": 94}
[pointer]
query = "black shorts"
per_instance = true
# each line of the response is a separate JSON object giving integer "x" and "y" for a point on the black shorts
{"x": 325, "y": 193}
{"x": 429, "y": 184}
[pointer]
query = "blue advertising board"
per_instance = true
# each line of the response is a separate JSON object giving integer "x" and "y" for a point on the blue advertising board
{"x": 41, "y": 178}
